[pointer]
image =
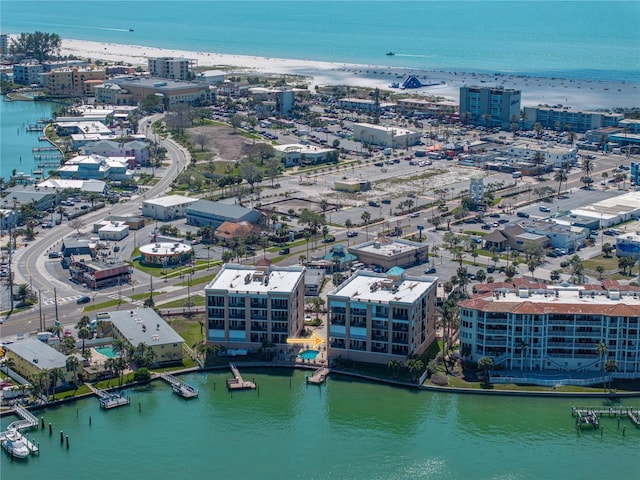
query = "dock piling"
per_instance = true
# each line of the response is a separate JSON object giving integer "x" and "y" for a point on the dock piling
{"x": 61, "y": 437}
{"x": 50, "y": 429}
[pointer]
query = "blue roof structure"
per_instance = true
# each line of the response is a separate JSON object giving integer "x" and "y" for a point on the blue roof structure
{"x": 412, "y": 82}
{"x": 395, "y": 272}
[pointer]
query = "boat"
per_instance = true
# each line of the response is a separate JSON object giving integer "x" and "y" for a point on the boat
{"x": 390, "y": 54}
{"x": 131, "y": 29}
{"x": 14, "y": 444}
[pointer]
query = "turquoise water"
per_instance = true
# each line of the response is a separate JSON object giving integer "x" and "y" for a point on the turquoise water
{"x": 107, "y": 352}
{"x": 585, "y": 39}
{"x": 15, "y": 142}
{"x": 309, "y": 354}
{"x": 344, "y": 430}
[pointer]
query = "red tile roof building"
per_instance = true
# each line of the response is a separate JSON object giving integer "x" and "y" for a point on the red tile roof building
{"x": 528, "y": 325}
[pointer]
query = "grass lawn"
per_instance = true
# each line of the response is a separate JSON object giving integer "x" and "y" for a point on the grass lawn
{"x": 199, "y": 280}
{"x": 100, "y": 306}
{"x": 196, "y": 300}
{"x": 609, "y": 263}
{"x": 188, "y": 328}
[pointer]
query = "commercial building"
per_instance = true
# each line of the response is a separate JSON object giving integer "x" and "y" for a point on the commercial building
{"x": 207, "y": 213}
{"x": 377, "y": 318}
{"x": 563, "y": 237}
{"x": 86, "y": 186}
{"x": 392, "y": 137}
{"x": 167, "y": 208}
{"x": 136, "y": 149}
{"x": 611, "y": 211}
{"x": 166, "y": 253}
{"x": 564, "y": 118}
{"x": 553, "y": 327}
{"x": 298, "y": 154}
{"x": 425, "y": 108}
{"x": 99, "y": 274}
{"x": 352, "y": 186}
{"x": 8, "y": 219}
{"x": 313, "y": 280}
{"x": 145, "y": 326}
{"x": 556, "y": 156}
{"x": 113, "y": 231}
{"x": 96, "y": 167}
{"x": 31, "y": 357}
{"x": 268, "y": 101}
{"x": 249, "y": 305}
{"x": 628, "y": 245}
{"x": 72, "y": 81}
{"x": 476, "y": 189}
{"x": 388, "y": 253}
{"x": 174, "y": 68}
{"x": 489, "y": 106}
{"x": 171, "y": 92}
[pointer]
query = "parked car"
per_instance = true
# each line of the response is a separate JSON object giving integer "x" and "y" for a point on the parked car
{"x": 415, "y": 214}
{"x": 352, "y": 234}
{"x": 54, "y": 254}
{"x": 523, "y": 214}
{"x": 431, "y": 270}
{"x": 329, "y": 239}
{"x": 544, "y": 209}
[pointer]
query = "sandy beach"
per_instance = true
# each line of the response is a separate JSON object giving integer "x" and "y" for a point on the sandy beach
{"x": 578, "y": 94}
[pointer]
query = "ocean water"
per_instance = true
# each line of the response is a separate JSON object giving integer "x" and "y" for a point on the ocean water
{"x": 343, "y": 430}
{"x": 575, "y": 39}
{"x": 16, "y": 143}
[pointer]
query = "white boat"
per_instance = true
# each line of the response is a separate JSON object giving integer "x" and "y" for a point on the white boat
{"x": 14, "y": 444}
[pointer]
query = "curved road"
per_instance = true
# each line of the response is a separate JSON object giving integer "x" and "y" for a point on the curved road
{"x": 29, "y": 264}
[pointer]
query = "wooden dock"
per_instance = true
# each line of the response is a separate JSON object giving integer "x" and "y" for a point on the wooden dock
{"x": 590, "y": 415}
{"x": 319, "y": 376}
{"x": 179, "y": 387}
{"x": 237, "y": 382}
{"x": 28, "y": 420}
{"x": 110, "y": 400}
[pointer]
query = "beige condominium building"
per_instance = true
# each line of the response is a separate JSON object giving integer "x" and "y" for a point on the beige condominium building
{"x": 554, "y": 327}
{"x": 247, "y": 305}
{"x": 379, "y": 317}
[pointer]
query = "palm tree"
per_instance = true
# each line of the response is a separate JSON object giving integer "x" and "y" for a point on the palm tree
{"x": 72, "y": 364}
{"x": 560, "y": 176}
{"x": 348, "y": 224}
{"x": 119, "y": 346}
{"x": 587, "y": 169}
{"x": 414, "y": 365}
{"x": 56, "y": 374}
{"x": 602, "y": 350}
{"x": 83, "y": 334}
{"x": 600, "y": 270}
{"x": 366, "y": 217}
{"x": 610, "y": 366}
{"x": 538, "y": 161}
{"x": 9, "y": 364}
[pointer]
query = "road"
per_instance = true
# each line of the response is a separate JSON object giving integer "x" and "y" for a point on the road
{"x": 32, "y": 266}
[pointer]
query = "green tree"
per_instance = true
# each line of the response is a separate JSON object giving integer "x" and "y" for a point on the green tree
{"x": 560, "y": 176}
{"x": 607, "y": 248}
{"x": 250, "y": 171}
{"x": 485, "y": 364}
{"x": 72, "y": 365}
{"x": 414, "y": 365}
{"x": 610, "y": 366}
{"x": 39, "y": 45}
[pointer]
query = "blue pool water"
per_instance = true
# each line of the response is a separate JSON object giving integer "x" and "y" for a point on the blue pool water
{"x": 308, "y": 354}
{"x": 107, "y": 352}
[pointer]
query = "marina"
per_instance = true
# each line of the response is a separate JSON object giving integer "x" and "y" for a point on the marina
{"x": 370, "y": 431}
{"x": 590, "y": 416}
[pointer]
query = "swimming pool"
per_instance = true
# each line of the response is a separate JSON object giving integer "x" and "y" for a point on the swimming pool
{"x": 308, "y": 354}
{"x": 107, "y": 352}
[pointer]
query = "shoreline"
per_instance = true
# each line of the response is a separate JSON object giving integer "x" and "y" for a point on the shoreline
{"x": 574, "y": 93}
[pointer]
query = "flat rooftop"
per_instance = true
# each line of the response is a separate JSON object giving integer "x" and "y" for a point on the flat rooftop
{"x": 143, "y": 325}
{"x": 611, "y": 207}
{"x": 170, "y": 200}
{"x": 386, "y": 248}
{"x": 247, "y": 279}
{"x": 377, "y": 287}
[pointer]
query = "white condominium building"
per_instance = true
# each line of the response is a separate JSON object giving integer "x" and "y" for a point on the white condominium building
{"x": 247, "y": 305}
{"x": 552, "y": 327}
{"x": 377, "y": 318}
